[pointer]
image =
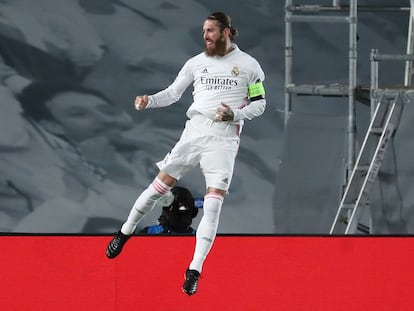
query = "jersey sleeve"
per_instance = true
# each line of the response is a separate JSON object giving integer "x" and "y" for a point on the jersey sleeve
{"x": 173, "y": 92}
{"x": 257, "y": 102}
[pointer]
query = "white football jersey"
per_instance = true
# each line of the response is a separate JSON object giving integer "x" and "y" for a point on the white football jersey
{"x": 216, "y": 80}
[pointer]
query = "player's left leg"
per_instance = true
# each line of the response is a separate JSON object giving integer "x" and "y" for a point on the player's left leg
{"x": 217, "y": 166}
{"x": 205, "y": 235}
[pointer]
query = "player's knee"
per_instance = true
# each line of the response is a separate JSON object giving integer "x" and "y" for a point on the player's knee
{"x": 215, "y": 192}
{"x": 159, "y": 188}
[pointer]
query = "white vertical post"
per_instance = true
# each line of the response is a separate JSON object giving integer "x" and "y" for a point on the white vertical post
{"x": 374, "y": 80}
{"x": 410, "y": 47}
{"x": 288, "y": 62}
{"x": 352, "y": 85}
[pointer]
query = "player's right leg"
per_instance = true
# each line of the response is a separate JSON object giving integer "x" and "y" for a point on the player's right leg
{"x": 159, "y": 189}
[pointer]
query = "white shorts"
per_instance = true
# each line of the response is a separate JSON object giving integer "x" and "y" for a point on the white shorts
{"x": 212, "y": 145}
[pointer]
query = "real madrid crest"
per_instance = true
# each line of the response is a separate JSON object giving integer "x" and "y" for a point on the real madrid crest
{"x": 235, "y": 71}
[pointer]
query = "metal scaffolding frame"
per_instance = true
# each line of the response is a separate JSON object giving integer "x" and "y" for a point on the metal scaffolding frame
{"x": 323, "y": 14}
{"x": 386, "y": 105}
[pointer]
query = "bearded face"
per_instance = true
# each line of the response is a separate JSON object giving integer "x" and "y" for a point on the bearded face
{"x": 215, "y": 39}
{"x": 215, "y": 47}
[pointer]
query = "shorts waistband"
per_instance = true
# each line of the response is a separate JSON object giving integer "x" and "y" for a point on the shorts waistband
{"x": 217, "y": 128}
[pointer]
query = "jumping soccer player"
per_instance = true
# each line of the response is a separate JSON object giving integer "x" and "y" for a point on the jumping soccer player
{"x": 228, "y": 88}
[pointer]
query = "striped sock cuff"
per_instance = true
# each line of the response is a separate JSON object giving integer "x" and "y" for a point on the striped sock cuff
{"x": 160, "y": 187}
{"x": 213, "y": 195}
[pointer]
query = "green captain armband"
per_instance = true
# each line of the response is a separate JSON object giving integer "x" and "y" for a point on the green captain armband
{"x": 256, "y": 91}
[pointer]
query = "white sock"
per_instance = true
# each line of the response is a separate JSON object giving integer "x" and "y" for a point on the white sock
{"x": 207, "y": 229}
{"x": 145, "y": 203}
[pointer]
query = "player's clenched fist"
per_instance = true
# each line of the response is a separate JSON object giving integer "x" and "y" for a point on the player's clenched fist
{"x": 141, "y": 102}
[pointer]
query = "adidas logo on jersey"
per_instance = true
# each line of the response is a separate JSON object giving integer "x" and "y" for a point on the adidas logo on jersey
{"x": 205, "y": 70}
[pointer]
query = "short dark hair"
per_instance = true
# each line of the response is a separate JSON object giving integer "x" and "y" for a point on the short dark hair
{"x": 33, "y": 97}
{"x": 224, "y": 21}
